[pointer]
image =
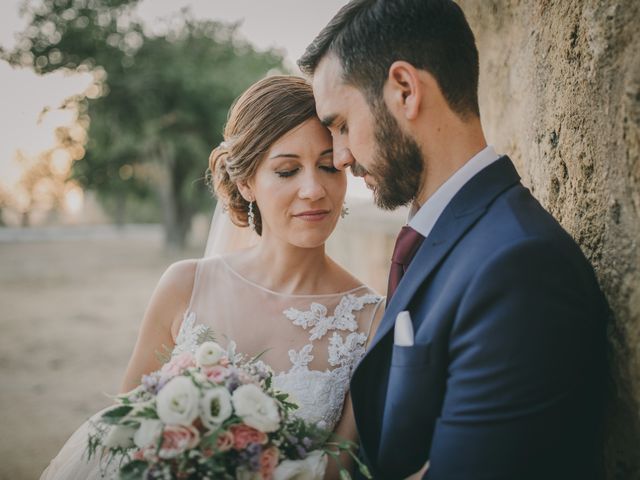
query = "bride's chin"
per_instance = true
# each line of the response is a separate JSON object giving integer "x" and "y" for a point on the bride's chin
{"x": 309, "y": 240}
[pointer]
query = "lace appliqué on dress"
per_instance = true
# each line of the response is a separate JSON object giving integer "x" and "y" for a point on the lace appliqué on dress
{"x": 189, "y": 335}
{"x": 320, "y": 394}
{"x": 342, "y": 319}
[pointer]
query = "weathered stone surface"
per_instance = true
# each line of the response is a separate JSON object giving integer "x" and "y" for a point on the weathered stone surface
{"x": 560, "y": 93}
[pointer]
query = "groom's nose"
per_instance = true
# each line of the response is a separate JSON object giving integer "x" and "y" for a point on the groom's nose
{"x": 343, "y": 158}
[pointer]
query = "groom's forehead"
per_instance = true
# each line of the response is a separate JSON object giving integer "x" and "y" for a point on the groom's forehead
{"x": 329, "y": 88}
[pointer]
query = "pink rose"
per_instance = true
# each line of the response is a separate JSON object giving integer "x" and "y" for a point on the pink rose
{"x": 147, "y": 453}
{"x": 216, "y": 374}
{"x": 225, "y": 441}
{"x": 178, "y": 364}
{"x": 177, "y": 439}
{"x": 243, "y": 435}
{"x": 269, "y": 462}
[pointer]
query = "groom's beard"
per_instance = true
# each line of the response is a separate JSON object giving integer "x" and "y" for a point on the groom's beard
{"x": 398, "y": 163}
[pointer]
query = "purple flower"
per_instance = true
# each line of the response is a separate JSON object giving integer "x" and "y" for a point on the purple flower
{"x": 301, "y": 451}
{"x": 250, "y": 456}
{"x": 233, "y": 381}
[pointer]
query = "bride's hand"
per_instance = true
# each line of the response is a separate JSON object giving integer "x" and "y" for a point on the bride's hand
{"x": 419, "y": 474}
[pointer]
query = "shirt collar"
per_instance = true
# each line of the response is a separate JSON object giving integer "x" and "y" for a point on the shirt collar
{"x": 423, "y": 218}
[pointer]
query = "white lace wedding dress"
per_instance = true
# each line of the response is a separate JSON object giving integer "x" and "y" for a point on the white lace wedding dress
{"x": 312, "y": 342}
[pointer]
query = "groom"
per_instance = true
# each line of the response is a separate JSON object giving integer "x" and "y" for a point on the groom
{"x": 502, "y": 377}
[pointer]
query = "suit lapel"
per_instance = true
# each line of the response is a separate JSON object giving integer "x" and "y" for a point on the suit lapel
{"x": 463, "y": 211}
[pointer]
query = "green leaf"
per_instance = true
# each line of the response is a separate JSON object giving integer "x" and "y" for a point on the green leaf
{"x": 113, "y": 416}
{"x": 147, "y": 412}
{"x": 133, "y": 470}
{"x": 206, "y": 336}
{"x": 364, "y": 470}
{"x": 165, "y": 355}
{"x": 344, "y": 475}
{"x": 257, "y": 357}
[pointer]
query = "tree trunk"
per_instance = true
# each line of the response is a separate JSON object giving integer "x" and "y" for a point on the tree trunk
{"x": 121, "y": 209}
{"x": 176, "y": 218}
{"x": 25, "y": 219}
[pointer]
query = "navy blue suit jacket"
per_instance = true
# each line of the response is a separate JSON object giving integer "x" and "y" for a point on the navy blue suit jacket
{"x": 505, "y": 378}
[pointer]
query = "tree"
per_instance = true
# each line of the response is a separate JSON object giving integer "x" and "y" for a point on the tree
{"x": 159, "y": 102}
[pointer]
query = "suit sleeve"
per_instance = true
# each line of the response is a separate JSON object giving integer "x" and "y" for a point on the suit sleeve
{"x": 522, "y": 354}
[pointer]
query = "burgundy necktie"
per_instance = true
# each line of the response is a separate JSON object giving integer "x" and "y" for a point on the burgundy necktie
{"x": 406, "y": 247}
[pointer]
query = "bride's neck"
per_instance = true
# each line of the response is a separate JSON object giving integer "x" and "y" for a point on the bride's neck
{"x": 288, "y": 269}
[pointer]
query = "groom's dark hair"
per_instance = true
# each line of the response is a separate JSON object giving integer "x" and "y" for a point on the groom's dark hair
{"x": 367, "y": 36}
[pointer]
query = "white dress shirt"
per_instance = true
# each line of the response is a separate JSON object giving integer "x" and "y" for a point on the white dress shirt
{"x": 423, "y": 219}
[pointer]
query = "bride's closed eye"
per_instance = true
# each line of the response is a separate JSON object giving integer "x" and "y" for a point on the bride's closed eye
{"x": 287, "y": 173}
{"x": 291, "y": 172}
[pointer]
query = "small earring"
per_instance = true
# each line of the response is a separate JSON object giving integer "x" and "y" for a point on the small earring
{"x": 252, "y": 217}
{"x": 345, "y": 211}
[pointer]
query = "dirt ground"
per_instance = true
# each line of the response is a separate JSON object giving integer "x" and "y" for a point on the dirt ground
{"x": 69, "y": 314}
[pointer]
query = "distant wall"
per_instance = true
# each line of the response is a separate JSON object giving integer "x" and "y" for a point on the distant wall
{"x": 560, "y": 93}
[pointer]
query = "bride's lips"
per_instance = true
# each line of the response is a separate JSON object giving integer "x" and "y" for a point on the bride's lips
{"x": 313, "y": 215}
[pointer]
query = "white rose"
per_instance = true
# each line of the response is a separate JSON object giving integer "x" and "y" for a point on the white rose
{"x": 178, "y": 402}
{"x": 215, "y": 407}
{"x": 120, "y": 436}
{"x": 209, "y": 353}
{"x": 256, "y": 409}
{"x": 147, "y": 433}
{"x": 311, "y": 468}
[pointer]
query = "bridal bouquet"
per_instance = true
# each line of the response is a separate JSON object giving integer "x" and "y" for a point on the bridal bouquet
{"x": 212, "y": 415}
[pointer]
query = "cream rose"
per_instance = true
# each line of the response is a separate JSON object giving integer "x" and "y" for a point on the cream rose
{"x": 311, "y": 468}
{"x": 256, "y": 409}
{"x": 215, "y": 407}
{"x": 120, "y": 436}
{"x": 147, "y": 433}
{"x": 209, "y": 353}
{"x": 177, "y": 402}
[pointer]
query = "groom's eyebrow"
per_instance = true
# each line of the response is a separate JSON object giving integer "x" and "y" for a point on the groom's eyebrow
{"x": 328, "y": 121}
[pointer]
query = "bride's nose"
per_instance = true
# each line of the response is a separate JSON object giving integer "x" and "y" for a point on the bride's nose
{"x": 311, "y": 188}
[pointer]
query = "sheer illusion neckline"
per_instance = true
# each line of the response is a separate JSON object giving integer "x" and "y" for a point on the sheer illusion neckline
{"x": 289, "y": 295}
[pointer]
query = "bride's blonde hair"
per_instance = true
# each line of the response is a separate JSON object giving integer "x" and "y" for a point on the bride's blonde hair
{"x": 258, "y": 118}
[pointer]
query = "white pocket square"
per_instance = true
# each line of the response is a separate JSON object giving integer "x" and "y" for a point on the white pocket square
{"x": 403, "y": 330}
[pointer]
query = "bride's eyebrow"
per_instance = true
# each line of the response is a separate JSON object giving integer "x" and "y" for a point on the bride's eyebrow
{"x": 284, "y": 155}
{"x": 296, "y": 156}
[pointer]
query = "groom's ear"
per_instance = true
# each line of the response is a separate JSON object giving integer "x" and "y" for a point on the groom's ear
{"x": 403, "y": 90}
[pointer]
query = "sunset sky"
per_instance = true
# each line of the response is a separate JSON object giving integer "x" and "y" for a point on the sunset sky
{"x": 286, "y": 24}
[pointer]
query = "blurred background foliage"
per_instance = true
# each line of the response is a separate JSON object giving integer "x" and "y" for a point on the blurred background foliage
{"x": 155, "y": 110}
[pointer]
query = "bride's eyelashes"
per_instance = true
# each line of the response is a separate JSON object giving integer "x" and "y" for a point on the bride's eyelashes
{"x": 292, "y": 172}
{"x": 287, "y": 173}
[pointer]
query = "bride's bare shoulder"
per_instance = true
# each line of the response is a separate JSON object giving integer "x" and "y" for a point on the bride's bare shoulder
{"x": 176, "y": 283}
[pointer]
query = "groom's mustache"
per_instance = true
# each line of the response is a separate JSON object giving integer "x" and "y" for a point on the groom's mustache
{"x": 358, "y": 170}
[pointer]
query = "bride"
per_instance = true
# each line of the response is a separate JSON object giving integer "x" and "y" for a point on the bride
{"x": 274, "y": 174}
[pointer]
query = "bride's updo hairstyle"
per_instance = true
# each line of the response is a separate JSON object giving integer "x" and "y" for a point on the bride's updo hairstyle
{"x": 258, "y": 118}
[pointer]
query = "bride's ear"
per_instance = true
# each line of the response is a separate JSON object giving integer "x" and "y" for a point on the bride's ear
{"x": 245, "y": 191}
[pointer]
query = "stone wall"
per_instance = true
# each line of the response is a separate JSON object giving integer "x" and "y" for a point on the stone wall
{"x": 560, "y": 93}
